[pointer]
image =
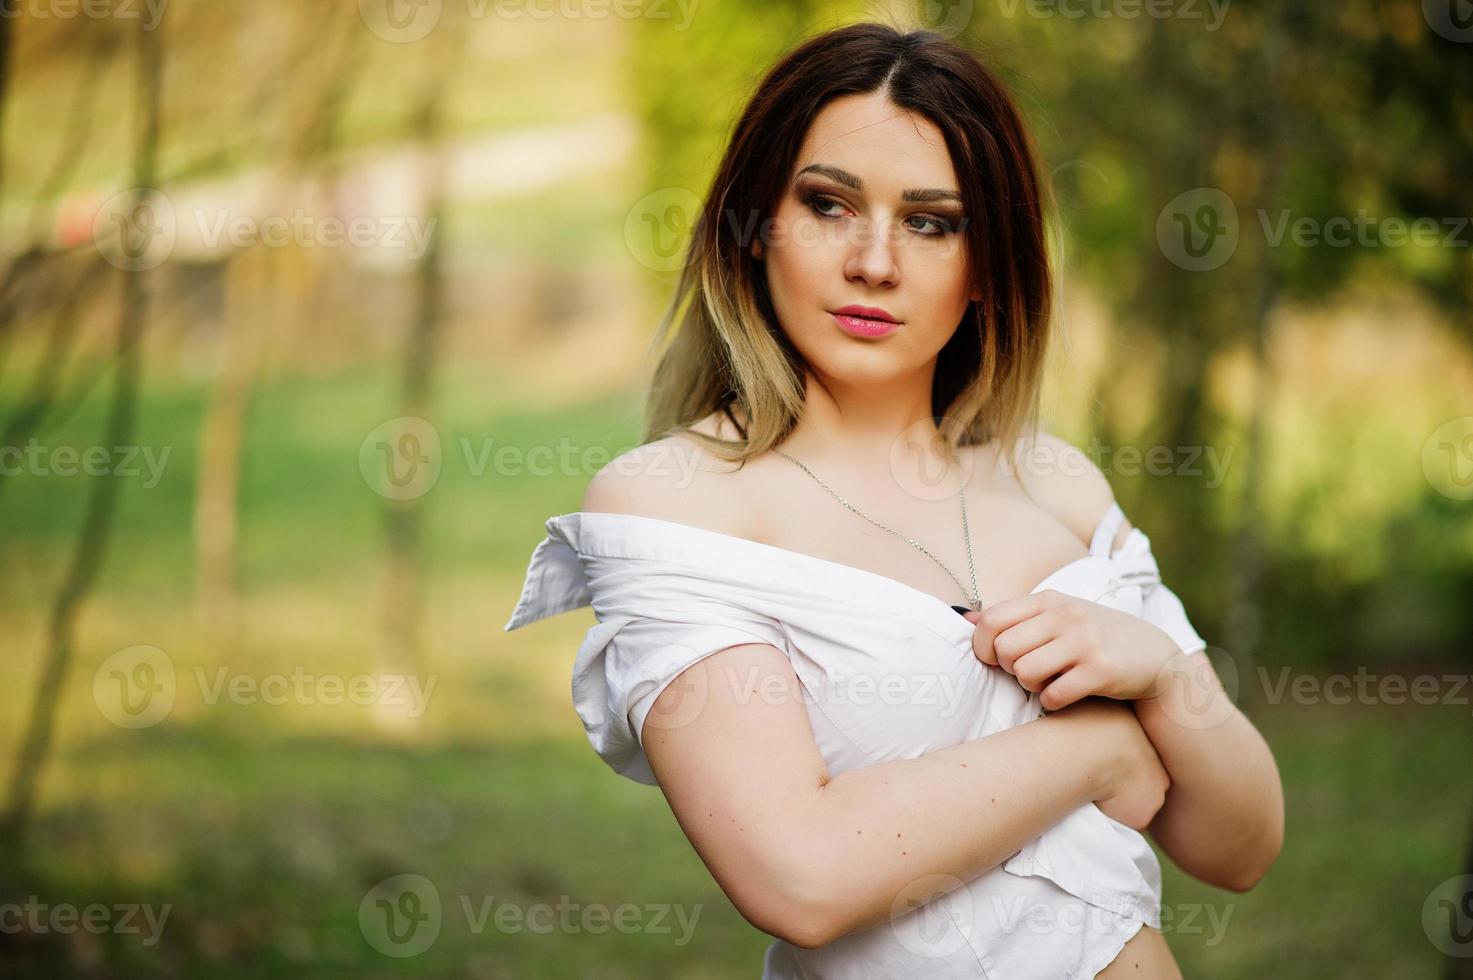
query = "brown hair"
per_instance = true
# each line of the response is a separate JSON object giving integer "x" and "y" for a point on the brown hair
{"x": 730, "y": 348}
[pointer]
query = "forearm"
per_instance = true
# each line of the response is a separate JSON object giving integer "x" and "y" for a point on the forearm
{"x": 956, "y": 812}
{"x": 1223, "y": 819}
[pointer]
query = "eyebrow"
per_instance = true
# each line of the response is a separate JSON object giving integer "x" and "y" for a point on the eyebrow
{"x": 922, "y": 195}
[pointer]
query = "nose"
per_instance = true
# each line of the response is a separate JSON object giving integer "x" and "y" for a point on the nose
{"x": 871, "y": 258}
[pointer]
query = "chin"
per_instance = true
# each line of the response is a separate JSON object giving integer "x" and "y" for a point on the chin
{"x": 862, "y": 364}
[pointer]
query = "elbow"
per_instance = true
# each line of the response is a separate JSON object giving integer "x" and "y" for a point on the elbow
{"x": 805, "y": 932}
{"x": 807, "y": 925}
{"x": 818, "y": 923}
{"x": 1259, "y": 852}
{"x": 1254, "y": 868}
{"x": 799, "y": 905}
{"x": 1248, "y": 878}
{"x": 1243, "y": 880}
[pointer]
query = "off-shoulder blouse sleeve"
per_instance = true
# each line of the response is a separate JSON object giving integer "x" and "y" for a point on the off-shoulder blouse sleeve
{"x": 625, "y": 663}
{"x": 655, "y": 620}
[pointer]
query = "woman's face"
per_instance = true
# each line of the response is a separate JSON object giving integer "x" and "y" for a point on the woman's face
{"x": 850, "y": 234}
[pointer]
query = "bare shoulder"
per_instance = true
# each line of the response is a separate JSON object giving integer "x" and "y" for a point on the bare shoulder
{"x": 1063, "y": 480}
{"x": 676, "y": 478}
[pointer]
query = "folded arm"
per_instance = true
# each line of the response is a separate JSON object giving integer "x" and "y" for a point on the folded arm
{"x": 1223, "y": 819}
{"x": 808, "y": 858}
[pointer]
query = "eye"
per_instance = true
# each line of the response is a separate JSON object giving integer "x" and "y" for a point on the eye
{"x": 816, "y": 203}
{"x": 943, "y": 227}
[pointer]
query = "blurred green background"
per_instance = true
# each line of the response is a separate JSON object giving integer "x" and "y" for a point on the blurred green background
{"x": 1239, "y": 191}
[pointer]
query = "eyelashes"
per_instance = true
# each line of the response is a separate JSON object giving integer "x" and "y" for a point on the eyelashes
{"x": 816, "y": 203}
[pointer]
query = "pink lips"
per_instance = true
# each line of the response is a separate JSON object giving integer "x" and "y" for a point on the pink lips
{"x": 865, "y": 321}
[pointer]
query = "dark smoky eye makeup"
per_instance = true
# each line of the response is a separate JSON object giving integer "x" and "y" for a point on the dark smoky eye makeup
{"x": 945, "y": 224}
{"x": 807, "y": 189}
{"x": 939, "y": 218}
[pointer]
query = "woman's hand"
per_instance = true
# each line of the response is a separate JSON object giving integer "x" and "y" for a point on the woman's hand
{"x": 1133, "y": 785}
{"x": 1067, "y": 648}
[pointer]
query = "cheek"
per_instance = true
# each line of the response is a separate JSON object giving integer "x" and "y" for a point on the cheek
{"x": 943, "y": 287}
{"x": 945, "y": 271}
{"x": 798, "y": 262}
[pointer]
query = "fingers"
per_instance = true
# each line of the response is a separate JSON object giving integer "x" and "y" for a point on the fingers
{"x": 1037, "y": 667}
{"x": 1075, "y": 683}
{"x": 989, "y": 643}
{"x": 1017, "y": 642}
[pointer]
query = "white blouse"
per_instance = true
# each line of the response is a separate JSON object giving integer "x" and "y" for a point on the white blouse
{"x": 888, "y": 673}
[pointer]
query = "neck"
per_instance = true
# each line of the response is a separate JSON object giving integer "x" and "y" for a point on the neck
{"x": 867, "y": 428}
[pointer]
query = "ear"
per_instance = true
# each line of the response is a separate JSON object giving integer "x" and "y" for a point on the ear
{"x": 757, "y": 249}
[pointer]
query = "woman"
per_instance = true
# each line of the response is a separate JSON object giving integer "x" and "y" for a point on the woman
{"x": 894, "y": 757}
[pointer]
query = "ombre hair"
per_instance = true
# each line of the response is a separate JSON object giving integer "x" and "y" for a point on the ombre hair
{"x": 729, "y": 348}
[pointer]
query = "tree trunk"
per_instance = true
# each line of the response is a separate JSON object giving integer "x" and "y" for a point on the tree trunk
{"x": 101, "y": 509}
{"x": 402, "y": 586}
{"x": 1244, "y": 616}
{"x": 247, "y": 311}
{"x": 256, "y": 284}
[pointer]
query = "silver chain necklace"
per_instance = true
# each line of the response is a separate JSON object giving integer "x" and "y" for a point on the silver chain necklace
{"x": 976, "y": 600}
